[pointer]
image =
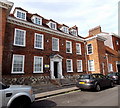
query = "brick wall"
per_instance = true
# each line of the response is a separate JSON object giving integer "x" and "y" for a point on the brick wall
{"x": 102, "y": 57}
{"x": 95, "y": 31}
{"x": 115, "y": 46}
{"x": 98, "y": 56}
{"x": 94, "y": 56}
{"x": 2, "y": 33}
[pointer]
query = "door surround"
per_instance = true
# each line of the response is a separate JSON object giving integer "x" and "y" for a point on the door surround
{"x": 56, "y": 58}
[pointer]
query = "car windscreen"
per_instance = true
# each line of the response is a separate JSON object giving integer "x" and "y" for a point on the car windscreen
{"x": 111, "y": 74}
{"x": 84, "y": 77}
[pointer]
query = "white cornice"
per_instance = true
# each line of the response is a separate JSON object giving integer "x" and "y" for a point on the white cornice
{"x": 41, "y": 28}
{"x": 113, "y": 34}
{"x": 98, "y": 37}
{"x": 6, "y": 5}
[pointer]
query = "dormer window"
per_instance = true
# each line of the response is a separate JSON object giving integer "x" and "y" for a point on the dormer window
{"x": 37, "y": 20}
{"x": 73, "y": 32}
{"x": 65, "y": 29}
{"x": 20, "y": 14}
{"x": 52, "y": 25}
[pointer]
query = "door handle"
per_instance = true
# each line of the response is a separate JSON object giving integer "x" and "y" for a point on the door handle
{"x": 8, "y": 94}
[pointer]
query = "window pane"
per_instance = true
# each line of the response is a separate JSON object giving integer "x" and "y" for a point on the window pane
{"x": 69, "y": 65}
{"x": 55, "y": 44}
{"x": 68, "y": 47}
{"x": 23, "y": 16}
{"x": 19, "y": 37}
{"x": 91, "y": 65}
{"x": 20, "y": 15}
{"x": 89, "y": 49}
{"x": 78, "y": 49}
{"x": 53, "y": 25}
{"x": 110, "y": 67}
{"x": 39, "y": 41}
{"x": 38, "y": 64}
{"x": 37, "y": 21}
{"x": 79, "y": 65}
{"x": 18, "y": 63}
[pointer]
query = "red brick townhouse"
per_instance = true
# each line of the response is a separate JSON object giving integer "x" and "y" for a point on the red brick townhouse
{"x": 105, "y": 54}
{"x": 37, "y": 49}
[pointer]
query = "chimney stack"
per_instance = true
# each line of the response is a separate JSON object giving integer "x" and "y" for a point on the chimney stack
{"x": 95, "y": 31}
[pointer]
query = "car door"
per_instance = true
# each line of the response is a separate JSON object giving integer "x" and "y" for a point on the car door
{"x": 2, "y": 101}
{"x": 102, "y": 80}
{"x": 106, "y": 80}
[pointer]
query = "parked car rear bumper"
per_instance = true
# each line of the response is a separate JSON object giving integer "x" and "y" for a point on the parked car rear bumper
{"x": 85, "y": 86}
{"x": 115, "y": 81}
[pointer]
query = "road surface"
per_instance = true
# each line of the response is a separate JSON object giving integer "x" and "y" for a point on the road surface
{"x": 106, "y": 97}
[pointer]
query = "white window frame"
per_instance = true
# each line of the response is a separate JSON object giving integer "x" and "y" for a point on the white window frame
{"x": 65, "y": 29}
{"x": 57, "y": 44}
{"x": 42, "y": 41}
{"x": 110, "y": 67}
{"x": 73, "y": 32}
{"x": 24, "y": 44}
{"x": 79, "y": 48}
{"x": 70, "y": 47}
{"x": 41, "y": 65}
{"x": 34, "y": 20}
{"x": 79, "y": 70}
{"x": 17, "y": 10}
{"x": 87, "y": 49}
{"x": 90, "y": 64}
{"x": 50, "y": 23}
{"x": 13, "y": 64}
{"x": 71, "y": 65}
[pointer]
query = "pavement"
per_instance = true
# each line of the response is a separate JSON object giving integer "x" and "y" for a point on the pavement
{"x": 54, "y": 92}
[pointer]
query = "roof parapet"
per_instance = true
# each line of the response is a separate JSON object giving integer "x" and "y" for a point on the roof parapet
{"x": 7, "y": 5}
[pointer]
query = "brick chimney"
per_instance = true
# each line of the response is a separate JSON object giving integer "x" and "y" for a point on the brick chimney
{"x": 5, "y": 8}
{"x": 95, "y": 31}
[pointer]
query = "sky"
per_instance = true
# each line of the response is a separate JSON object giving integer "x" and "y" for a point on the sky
{"x": 85, "y": 14}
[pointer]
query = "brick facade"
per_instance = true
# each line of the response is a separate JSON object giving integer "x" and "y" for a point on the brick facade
{"x": 100, "y": 55}
{"x": 29, "y": 51}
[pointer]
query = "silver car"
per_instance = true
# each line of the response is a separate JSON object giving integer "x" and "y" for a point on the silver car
{"x": 16, "y": 96}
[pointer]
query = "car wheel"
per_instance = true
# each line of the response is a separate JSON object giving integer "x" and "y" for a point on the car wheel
{"x": 98, "y": 88}
{"x": 21, "y": 103}
{"x": 82, "y": 89}
{"x": 112, "y": 84}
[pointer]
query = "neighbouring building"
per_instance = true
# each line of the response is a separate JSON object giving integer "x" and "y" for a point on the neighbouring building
{"x": 34, "y": 49}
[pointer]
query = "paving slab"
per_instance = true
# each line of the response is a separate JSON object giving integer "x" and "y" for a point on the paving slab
{"x": 54, "y": 92}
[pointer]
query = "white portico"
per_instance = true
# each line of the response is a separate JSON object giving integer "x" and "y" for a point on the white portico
{"x": 56, "y": 66}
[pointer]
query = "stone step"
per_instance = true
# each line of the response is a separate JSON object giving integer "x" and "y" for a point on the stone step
{"x": 62, "y": 82}
{"x": 65, "y": 82}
